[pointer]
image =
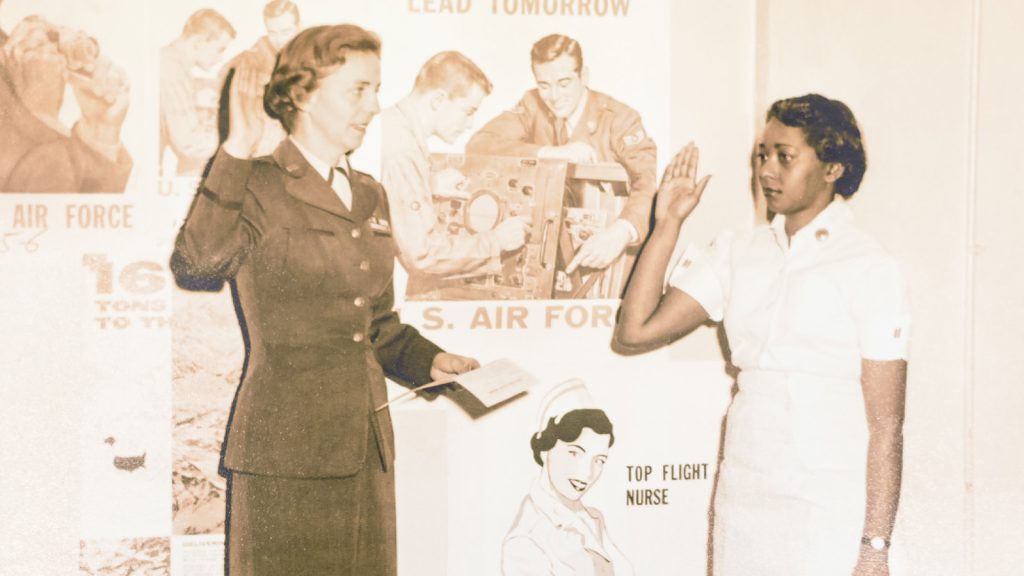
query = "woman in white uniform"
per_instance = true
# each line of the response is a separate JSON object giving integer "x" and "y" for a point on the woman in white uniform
{"x": 816, "y": 317}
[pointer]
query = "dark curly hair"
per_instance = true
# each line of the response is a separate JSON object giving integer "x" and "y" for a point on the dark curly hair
{"x": 569, "y": 429}
{"x": 831, "y": 129}
{"x": 313, "y": 54}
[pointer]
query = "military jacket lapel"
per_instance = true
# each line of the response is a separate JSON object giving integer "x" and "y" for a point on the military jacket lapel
{"x": 364, "y": 196}
{"x": 306, "y": 185}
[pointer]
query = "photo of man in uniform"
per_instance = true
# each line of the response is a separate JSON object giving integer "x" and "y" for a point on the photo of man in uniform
{"x": 562, "y": 118}
{"x": 447, "y": 93}
{"x": 245, "y": 75}
{"x": 38, "y": 152}
{"x": 188, "y": 105}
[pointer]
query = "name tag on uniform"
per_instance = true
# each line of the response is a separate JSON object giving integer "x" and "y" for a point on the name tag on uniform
{"x": 380, "y": 226}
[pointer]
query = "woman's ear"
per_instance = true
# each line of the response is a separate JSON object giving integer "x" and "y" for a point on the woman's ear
{"x": 301, "y": 99}
{"x": 834, "y": 171}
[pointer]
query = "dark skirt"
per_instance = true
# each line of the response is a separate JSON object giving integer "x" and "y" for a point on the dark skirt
{"x": 313, "y": 527}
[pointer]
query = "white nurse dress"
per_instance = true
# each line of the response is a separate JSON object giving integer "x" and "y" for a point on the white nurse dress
{"x": 799, "y": 316}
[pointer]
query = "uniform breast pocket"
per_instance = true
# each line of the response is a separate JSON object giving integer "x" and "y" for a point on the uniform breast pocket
{"x": 306, "y": 255}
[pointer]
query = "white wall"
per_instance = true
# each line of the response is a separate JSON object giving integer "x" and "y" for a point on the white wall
{"x": 995, "y": 394}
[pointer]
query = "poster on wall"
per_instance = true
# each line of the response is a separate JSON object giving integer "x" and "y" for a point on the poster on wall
{"x": 518, "y": 143}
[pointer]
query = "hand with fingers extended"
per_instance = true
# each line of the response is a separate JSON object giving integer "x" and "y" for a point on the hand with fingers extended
{"x": 252, "y": 73}
{"x": 601, "y": 249}
{"x": 680, "y": 191}
{"x": 511, "y": 234}
{"x": 245, "y": 104}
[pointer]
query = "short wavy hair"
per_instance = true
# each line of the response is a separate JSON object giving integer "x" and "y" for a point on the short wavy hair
{"x": 312, "y": 55}
{"x": 552, "y": 46}
{"x": 569, "y": 428}
{"x": 207, "y": 23}
{"x": 831, "y": 129}
{"x": 452, "y": 72}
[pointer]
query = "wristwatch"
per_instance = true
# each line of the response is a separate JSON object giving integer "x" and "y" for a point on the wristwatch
{"x": 876, "y": 542}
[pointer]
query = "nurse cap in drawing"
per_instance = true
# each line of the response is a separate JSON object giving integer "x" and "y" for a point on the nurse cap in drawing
{"x": 562, "y": 399}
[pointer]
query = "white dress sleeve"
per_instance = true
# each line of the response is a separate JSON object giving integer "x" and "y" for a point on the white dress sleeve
{"x": 705, "y": 275}
{"x": 881, "y": 312}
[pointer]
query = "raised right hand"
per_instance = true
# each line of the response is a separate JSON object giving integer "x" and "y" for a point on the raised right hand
{"x": 252, "y": 73}
{"x": 245, "y": 105}
{"x": 679, "y": 192}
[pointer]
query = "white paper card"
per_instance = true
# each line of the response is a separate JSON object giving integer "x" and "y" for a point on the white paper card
{"x": 497, "y": 381}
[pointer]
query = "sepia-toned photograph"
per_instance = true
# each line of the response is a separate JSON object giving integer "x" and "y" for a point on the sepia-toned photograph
{"x": 510, "y": 288}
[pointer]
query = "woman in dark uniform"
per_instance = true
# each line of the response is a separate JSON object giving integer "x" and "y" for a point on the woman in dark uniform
{"x": 306, "y": 244}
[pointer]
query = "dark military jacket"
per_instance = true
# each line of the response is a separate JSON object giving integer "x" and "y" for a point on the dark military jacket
{"x": 313, "y": 281}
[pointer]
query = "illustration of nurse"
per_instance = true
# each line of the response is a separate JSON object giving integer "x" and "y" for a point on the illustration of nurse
{"x": 554, "y": 533}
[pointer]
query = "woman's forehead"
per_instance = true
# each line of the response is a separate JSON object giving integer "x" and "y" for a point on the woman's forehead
{"x": 358, "y": 67}
{"x": 776, "y": 133}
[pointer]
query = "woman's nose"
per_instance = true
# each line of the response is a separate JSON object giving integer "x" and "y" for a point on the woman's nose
{"x": 766, "y": 168}
{"x": 581, "y": 470}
